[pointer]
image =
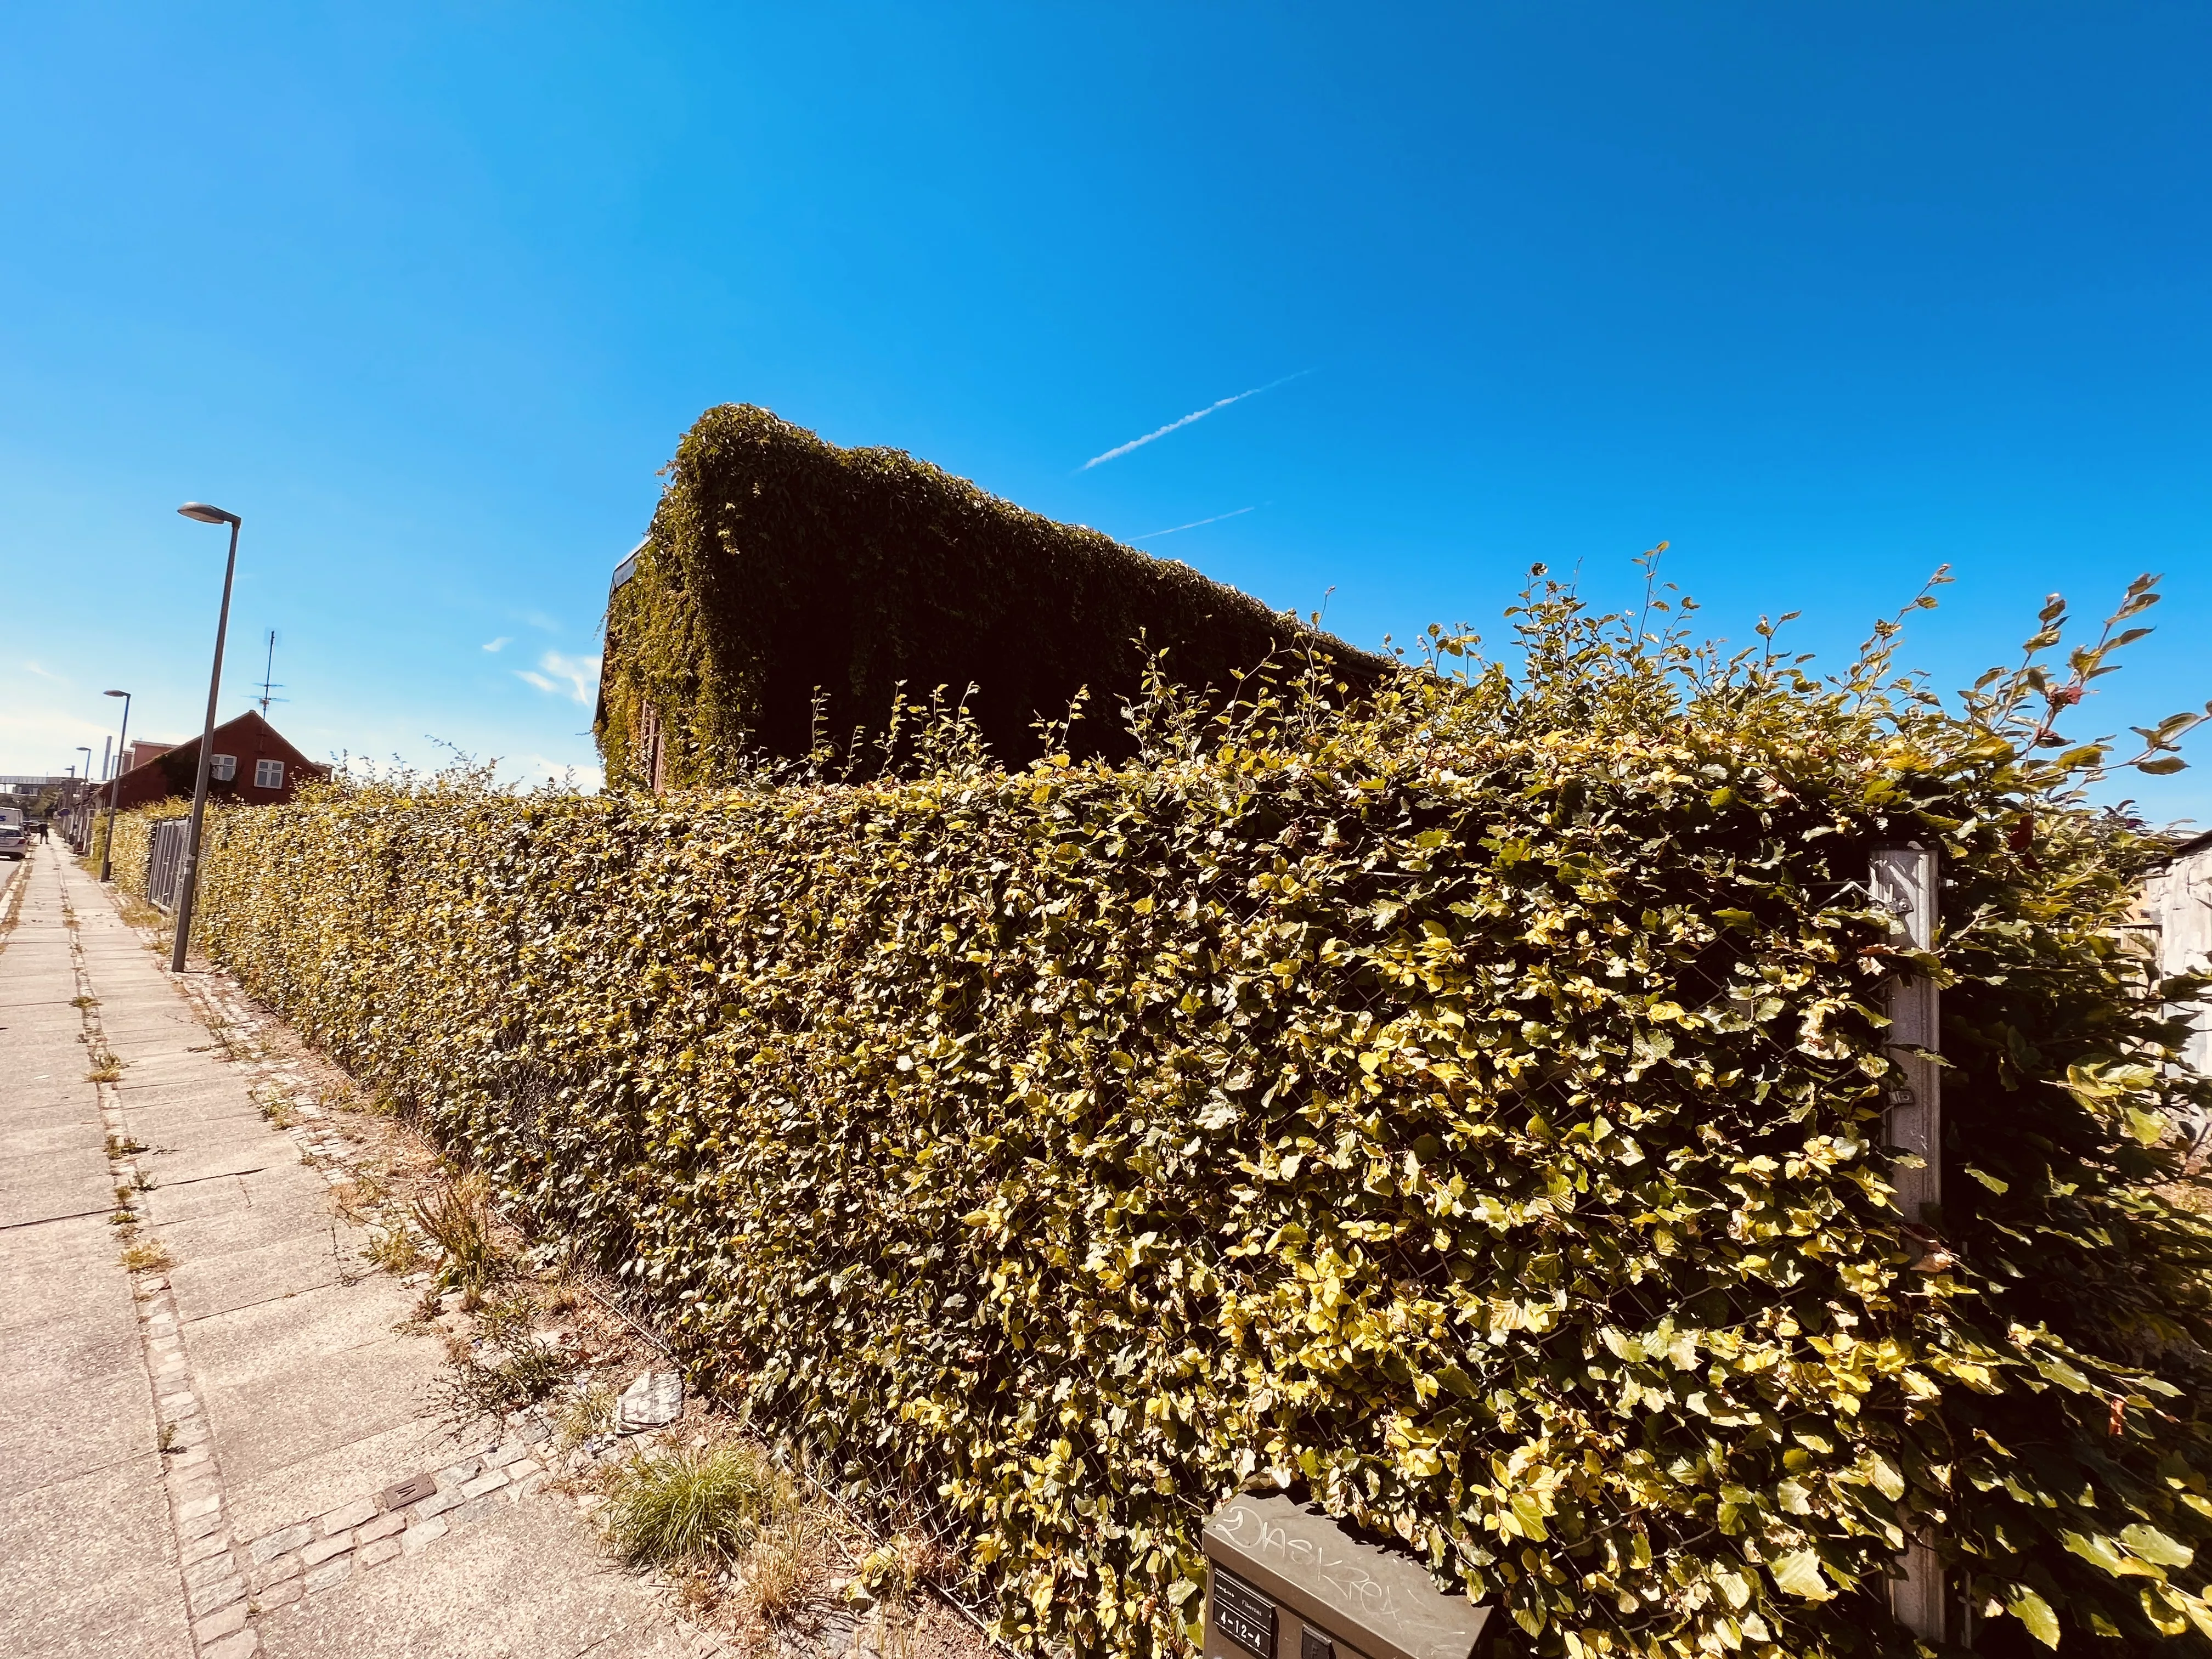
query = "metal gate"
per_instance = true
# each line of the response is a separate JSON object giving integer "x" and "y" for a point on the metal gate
{"x": 164, "y": 861}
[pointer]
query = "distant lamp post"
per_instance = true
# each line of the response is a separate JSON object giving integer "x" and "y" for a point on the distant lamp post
{"x": 189, "y": 874}
{"x": 114, "y": 786}
{"x": 84, "y": 790}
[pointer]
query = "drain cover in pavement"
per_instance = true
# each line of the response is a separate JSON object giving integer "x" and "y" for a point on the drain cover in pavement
{"x": 413, "y": 1489}
{"x": 654, "y": 1399}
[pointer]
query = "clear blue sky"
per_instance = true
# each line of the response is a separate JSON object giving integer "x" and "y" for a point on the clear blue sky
{"x": 1824, "y": 297}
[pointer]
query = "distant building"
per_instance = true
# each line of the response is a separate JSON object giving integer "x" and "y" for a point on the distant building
{"x": 141, "y": 750}
{"x": 252, "y": 763}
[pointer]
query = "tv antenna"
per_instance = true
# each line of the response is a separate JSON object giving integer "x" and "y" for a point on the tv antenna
{"x": 269, "y": 685}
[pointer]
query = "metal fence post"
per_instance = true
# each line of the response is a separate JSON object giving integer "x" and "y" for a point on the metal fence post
{"x": 1903, "y": 878}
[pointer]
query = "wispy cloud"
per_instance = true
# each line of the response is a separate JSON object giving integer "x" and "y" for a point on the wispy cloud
{"x": 1195, "y": 415}
{"x": 582, "y": 675}
{"x": 501, "y": 643}
{"x": 1177, "y": 530}
{"x": 43, "y": 673}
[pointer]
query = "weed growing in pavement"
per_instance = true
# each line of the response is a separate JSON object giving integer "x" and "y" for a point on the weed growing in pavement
{"x": 393, "y": 1248}
{"x": 168, "y": 1443}
{"x": 369, "y": 1187}
{"x": 703, "y": 1505}
{"x": 896, "y": 1570}
{"x": 458, "y": 1219}
{"x": 142, "y": 1182}
{"x": 782, "y": 1570}
{"x": 121, "y": 1146}
{"x": 590, "y": 1411}
{"x": 84, "y": 1002}
{"x": 106, "y": 1064}
{"x": 506, "y": 1318}
{"x": 534, "y": 1369}
{"x": 150, "y": 1257}
{"x": 469, "y": 1388}
{"x": 139, "y": 914}
{"x": 278, "y": 1111}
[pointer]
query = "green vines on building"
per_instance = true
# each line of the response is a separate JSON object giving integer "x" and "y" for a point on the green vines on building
{"x": 789, "y": 589}
{"x": 1467, "y": 1113}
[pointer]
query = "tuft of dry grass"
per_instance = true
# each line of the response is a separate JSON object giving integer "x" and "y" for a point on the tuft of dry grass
{"x": 106, "y": 1064}
{"x": 148, "y": 1257}
{"x": 139, "y": 914}
{"x": 782, "y": 1572}
{"x": 705, "y": 1505}
{"x": 565, "y": 1293}
{"x": 592, "y": 1411}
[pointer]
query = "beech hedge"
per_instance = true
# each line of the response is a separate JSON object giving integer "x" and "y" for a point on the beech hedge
{"x": 1467, "y": 1114}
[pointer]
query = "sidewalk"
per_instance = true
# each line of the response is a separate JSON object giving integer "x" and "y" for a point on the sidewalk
{"x": 294, "y": 1409}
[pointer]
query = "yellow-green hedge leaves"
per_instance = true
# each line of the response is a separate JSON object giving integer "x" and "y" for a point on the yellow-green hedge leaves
{"x": 1469, "y": 1115}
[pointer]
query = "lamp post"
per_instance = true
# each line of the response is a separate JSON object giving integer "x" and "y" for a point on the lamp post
{"x": 189, "y": 876}
{"x": 114, "y": 784}
{"x": 84, "y": 788}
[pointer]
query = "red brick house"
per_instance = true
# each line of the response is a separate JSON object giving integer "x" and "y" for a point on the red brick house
{"x": 253, "y": 763}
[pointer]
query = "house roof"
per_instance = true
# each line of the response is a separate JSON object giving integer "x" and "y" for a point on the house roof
{"x": 246, "y": 731}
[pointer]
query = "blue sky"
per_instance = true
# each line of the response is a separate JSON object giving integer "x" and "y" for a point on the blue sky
{"x": 1823, "y": 297}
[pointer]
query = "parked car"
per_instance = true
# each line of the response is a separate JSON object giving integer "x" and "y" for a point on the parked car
{"x": 15, "y": 839}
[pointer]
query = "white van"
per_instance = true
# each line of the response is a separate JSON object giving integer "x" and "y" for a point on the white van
{"x": 13, "y": 841}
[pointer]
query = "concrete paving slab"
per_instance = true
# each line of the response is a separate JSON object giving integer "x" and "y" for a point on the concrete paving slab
{"x": 89, "y": 1570}
{"x": 317, "y": 1484}
{"x": 523, "y": 1583}
{"x": 209, "y": 1286}
{"x": 192, "y": 1200}
{"x": 49, "y": 1198}
{"x": 59, "y": 1131}
{"x": 293, "y": 1407}
{"x": 219, "y": 1233}
{"x": 47, "y": 1271}
{"x": 63, "y": 1425}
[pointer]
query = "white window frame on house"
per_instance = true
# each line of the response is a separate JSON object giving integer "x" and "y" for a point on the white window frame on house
{"x": 222, "y": 767}
{"x": 268, "y": 775}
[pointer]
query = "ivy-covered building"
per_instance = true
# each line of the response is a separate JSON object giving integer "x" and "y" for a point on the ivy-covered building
{"x": 789, "y": 591}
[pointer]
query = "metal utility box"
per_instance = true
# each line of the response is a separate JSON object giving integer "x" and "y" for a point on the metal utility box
{"x": 1285, "y": 1582}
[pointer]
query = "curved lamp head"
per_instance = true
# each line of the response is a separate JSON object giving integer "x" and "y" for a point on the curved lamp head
{"x": 206, "y": 514}
{"x": 115, "y": 694}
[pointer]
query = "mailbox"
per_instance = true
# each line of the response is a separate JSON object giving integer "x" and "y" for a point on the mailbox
{"x": 1285, "y": 1582}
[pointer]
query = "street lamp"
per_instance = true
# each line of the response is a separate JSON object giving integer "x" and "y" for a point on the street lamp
{"x": 114, "y": 784}
{"x": 85, "y": 789}
{"x": 190, "y": 873}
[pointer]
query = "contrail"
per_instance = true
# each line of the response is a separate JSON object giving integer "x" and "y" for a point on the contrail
{"x": 1195, "y": 415}
{"x": 1194, "y": 523}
